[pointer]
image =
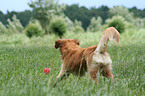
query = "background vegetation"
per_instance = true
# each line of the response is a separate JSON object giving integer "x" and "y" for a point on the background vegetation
{"x": 76, "y": 12}
{"x": 23, "y": 57}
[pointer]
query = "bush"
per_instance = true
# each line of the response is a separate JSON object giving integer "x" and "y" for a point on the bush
{"x": 69, "y": 24}
{"x": 144, "y": 22}
{"x": 14, "y": 25}
{"x": 78, "y": 29}
{"x": 3, "y": 29}
{"x": 33, "y": 29}
{"x": 139, "y": 23}
{"x": 118, "y": 22}
{"x": 95, "y": 25}
{"x": 77, "y": 23}
{"x": 58, "y": 26}
{"x": 129, "y": 25}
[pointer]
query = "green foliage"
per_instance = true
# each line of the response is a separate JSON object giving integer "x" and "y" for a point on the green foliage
{"x": 83, "y": 14}
{"x": 23, "y": 16}
{"x": 3, "y": 29}
{"x": 121, "y": 11}
{"x": 78, "y": 29}
{"x": 69, "y": 24}
{"x": 45, "y": 10}
{"x": 144, "y": 22}
{"x": 137, "y": 12}
{"x": 139, "y": 23}
{"x": 95, "y": 25}
{"x": 58, "y": 26}
{"x": 77, "y": 23}
{"x": 34, "y": 29}
{"x": 75, "y": 12}
{"x": 14, "y": 26}
{"x": 118, "y": 10}
{"x": 129, "y": 25}
{"x": 118, "y": 22}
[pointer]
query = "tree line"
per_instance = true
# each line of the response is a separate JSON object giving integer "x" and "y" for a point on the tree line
{"x": 73, "y": 12}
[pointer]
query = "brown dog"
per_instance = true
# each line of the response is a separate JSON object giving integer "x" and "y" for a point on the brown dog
{"x": 93, "y": 59}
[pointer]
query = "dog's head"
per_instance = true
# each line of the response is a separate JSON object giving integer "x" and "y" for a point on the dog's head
{"x": 61, "y": 42}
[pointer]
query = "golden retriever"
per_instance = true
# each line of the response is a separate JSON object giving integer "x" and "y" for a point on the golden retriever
{"x": 93, "y": 59}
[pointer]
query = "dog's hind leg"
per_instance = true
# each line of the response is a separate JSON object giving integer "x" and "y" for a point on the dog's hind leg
{"x": 93, "y": 74}
{"x": 107, "y": 73}
{"x": 62, "y": 74}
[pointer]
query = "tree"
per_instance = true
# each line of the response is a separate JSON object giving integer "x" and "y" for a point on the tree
{"x": 74, "y": 12}
{"x": 137, "y": 12}
{"x": 121, "y": 11}
{"x": 45, "y": 10}
{"x": 25, "y": 17}
{"x": 3, "y": 18}
{"x": 103, "y": 12}
{"x": 118, "y": 10}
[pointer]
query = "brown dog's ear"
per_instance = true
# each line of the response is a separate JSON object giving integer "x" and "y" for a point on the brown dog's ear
{"x": 58, "y": 43}
{"x": 77, "y": 42}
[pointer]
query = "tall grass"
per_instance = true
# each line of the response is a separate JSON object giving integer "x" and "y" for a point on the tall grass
{"x": 22, "y": 64}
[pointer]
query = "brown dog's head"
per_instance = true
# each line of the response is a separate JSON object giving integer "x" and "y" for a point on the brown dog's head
{"x": 60, "y": 42}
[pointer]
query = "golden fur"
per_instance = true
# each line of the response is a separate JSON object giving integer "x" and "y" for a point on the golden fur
{"x": 93, "y": 59}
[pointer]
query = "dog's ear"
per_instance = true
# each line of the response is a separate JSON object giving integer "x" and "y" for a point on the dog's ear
{"x": 58, "y": 43}
{"x": 77, "y": 42}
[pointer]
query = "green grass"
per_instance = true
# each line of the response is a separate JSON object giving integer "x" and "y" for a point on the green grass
{"x": 22, "y": 65}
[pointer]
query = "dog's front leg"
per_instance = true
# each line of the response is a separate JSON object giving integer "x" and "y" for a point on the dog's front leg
{"x": 61, "y": 75}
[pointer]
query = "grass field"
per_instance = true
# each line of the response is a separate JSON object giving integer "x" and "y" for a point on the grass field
{"x": 22, "y": 61}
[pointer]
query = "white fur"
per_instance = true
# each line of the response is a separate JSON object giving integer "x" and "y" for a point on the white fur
{"x": 99, "y": 59}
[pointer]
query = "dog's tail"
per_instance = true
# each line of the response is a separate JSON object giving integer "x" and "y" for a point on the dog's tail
{"x": 108, "y": 35}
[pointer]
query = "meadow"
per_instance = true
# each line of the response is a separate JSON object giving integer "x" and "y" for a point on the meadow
{"x": 22, "y": 61}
